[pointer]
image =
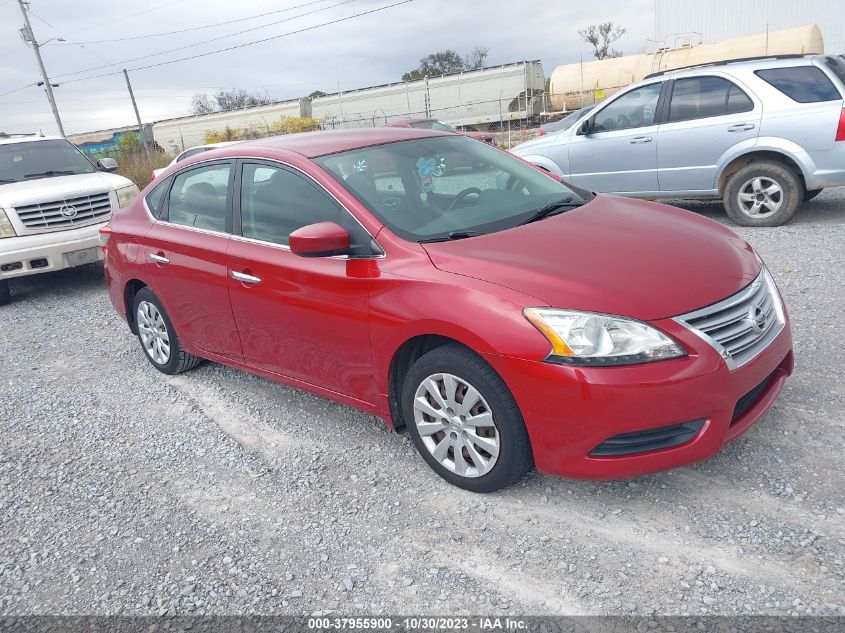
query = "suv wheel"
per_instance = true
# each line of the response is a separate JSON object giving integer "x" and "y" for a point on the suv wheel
{"x": 158, "y": 336}
{"x": 5, "y": 292}
{"x": 464, "y": 421}
{"x": 763, "y": 194}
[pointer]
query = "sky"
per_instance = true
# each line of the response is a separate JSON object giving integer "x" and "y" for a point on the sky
{"x": 361, "y": 51}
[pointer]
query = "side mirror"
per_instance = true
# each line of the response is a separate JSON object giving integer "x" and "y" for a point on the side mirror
{"x": 107, "y": 164}
{"x": 585, "y": 127}
{"x": 323, "y": 239}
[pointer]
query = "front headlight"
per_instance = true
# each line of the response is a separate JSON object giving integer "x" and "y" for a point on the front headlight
{"x": 585, "y": 338}
{"x": 125, "y": 195}
{"x": 6, "y": 228}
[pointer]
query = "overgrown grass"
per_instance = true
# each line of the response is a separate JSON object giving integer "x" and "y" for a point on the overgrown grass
{"x": 138, "y": 167}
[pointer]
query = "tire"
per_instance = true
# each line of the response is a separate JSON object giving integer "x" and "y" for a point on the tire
{"x": 168, "y": 355}
{"x": 5, "y": 292}
{"x": 809, "y": 195}
{"x": 763, "y": 193}
{"x": 494, "y": 454}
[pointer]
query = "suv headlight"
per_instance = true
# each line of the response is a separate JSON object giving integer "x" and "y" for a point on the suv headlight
{"x": 125, "y": 195}
{"x": 6, "y": 228}
{"x": 585, "y": 338}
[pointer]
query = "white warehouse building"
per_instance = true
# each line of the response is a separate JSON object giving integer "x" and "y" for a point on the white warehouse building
{"x": 716, "y": 20}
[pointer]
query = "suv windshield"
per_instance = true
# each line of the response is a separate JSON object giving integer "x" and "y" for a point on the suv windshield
{"x": 41, "y": 159}
{"x": 433, "y": 125}
{"x": 448, "y": 187}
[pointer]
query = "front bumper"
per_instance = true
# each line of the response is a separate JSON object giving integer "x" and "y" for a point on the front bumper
{"x": 45, "y": 252}
{"x": 570, "y": 411}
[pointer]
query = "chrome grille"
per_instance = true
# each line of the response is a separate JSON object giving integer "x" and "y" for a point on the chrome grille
{"x": 67, "y": 213}
{"x": 743, "y": 325}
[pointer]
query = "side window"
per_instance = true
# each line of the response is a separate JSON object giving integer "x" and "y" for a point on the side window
{"x": 198, "y": 197}
{"x": 701, "y": 97}
{"x": 156, "y": 197}
{"x": 738, "y": 101}
{"x": 633, "y": 109}
{"x": 804, "y": 84}
{"x": 275, "y": 202}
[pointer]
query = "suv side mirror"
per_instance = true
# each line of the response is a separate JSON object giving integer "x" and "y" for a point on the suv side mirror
{"x": 107, "y": 164}
{"x": 323, "y": 239}
{"x": 585, "y": 127}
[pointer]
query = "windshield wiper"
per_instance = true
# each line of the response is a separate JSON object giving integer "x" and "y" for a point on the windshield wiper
{"x": 7, "y": 180}
{"x": 454, "y": 235}
{"x": 51, "y": 172}
{"x": 551, "y": 209}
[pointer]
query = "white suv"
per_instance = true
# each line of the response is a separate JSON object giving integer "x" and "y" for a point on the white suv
{"x": 53, "y": 201}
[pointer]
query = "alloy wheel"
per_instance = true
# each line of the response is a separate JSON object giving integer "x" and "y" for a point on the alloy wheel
{"x": 456, "y": 425}
{"x": 153, "y": 332}
{"x": 760, "y": 197}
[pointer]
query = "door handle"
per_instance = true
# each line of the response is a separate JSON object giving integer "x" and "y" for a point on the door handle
{"x": 244, "y": 278}
{"x": 641, "y": 139}
{"x": 159, "y": 259}
{"x": 741, "y": 127}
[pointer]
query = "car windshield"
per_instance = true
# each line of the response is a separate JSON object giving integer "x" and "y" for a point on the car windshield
{"x": 433, "y": 125}
{"x": 446, "y": 187}
{"x": 41, "y": 159}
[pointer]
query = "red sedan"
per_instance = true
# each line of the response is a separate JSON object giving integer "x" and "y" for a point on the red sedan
{"x": 500, "y": 316}
{"x": 439, "y": 126}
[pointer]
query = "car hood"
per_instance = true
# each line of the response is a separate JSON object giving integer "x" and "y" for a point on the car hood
{"x": 38, "y": 190}
{"x": 613, "y": 255}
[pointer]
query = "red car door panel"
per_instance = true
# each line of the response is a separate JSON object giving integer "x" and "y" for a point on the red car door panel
{"x": 306, "y": 318}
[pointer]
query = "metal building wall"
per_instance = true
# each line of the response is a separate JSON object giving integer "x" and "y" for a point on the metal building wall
{"x": 721, "y": 19}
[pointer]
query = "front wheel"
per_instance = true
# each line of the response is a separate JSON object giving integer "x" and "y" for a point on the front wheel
{"x": 5, "y": 292}
{"x": 158, "y": 336}
{"x": 763, "y": 193}
{"x": 464, "y": 421}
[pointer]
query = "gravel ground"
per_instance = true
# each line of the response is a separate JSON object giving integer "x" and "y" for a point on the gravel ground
{"x": 126, "y": 491}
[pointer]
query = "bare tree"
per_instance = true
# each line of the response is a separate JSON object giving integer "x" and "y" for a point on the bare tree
{"x": 600, "y": 37}
{"x": 201, "y": 104}
{"x": 476, "y": 57}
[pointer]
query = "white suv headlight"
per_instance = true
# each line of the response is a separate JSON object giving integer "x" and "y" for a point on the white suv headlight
{"x": 6, "y": 228}
{"x": 126, "y": 195}
{"x": 585, "y": 338}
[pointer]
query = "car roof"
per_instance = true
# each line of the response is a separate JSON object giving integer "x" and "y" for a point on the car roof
{"x": 27, "y": 138}
{"x": 314, "y": 144}
{"x": 784, "y": 61}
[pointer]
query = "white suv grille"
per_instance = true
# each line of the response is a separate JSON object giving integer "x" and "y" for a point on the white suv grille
{"x": 743, "y": 325}
{"x": 65, "y": 214}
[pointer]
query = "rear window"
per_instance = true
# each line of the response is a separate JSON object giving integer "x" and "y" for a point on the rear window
{"x": 804, "y": 84}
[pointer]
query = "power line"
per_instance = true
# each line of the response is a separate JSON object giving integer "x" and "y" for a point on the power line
{"x": 69, "y": 42}
{"x": 207, "y": 26}
{"x": 245, "y": 44}
{"x": 213, "y": 39}
{"x": 126, "y": 17}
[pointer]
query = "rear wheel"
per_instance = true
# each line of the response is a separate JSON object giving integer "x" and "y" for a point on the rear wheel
{"x": 5, "y": 292}
{"x": 158, "y": 337}
{"x": 464, "y": 421}
{"x": 809, "y": 195}
{"x": 763, "y": 193}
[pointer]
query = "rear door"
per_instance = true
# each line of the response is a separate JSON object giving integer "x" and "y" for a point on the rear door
{"x": 186, "y": 254}
{"x": 619, "y": 154}
{"x": 705, "y": 117}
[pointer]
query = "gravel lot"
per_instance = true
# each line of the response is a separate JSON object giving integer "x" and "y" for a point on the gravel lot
{"x": 126, "y": 491}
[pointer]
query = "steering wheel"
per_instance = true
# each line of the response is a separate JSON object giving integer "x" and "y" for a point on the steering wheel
{"x": 463, "y": 194}
{"x": 623, "y": 122}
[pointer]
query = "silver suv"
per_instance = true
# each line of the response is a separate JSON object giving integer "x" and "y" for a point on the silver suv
{"x": 761, "y": 134}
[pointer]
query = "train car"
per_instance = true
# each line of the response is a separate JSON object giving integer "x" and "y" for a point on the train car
{"x": 174, "y": 135}
{"x": 497, "y": 93}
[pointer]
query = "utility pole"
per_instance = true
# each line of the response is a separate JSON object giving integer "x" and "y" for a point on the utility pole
{"x": 47, "y": 86}
{"x": 137, "y": 115}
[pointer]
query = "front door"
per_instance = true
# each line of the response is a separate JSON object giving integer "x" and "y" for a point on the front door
{"x": 305, "y": 318}
{"x": 186, "y": 254}
{"x": 707, "y": 116}
{"x": 619, "y": 153}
